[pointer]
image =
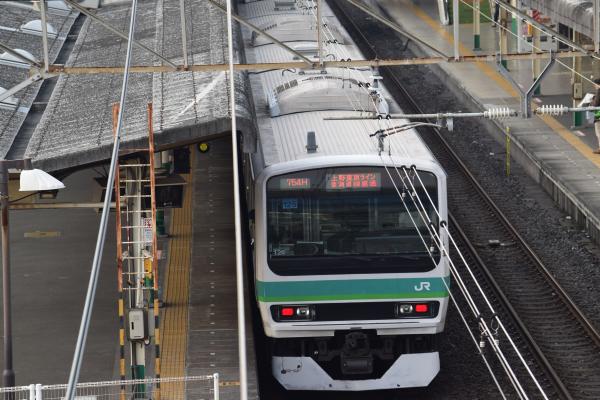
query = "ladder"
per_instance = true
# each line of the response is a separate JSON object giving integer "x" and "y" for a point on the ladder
{"x": 137, "y": 259}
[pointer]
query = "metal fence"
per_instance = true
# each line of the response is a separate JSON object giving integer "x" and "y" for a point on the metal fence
{"x": 181, "y": 388}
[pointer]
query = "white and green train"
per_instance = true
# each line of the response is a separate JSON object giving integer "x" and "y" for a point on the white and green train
{"x": 351, "y": 286}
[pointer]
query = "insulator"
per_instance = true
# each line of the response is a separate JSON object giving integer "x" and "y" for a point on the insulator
{"x": 481, "y": 343}
{"x": 552, "y": 109}
{"x": 497, "y": 113}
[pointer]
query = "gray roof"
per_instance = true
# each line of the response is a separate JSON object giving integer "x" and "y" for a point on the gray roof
{"x": 76, "y": 128}
{"x": 14, "y": 17}
{"x": 283, "y": 138}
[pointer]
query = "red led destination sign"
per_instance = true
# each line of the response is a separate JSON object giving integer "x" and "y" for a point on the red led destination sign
{"x": 354, "y": 181}
{"x": 294, "y": 183}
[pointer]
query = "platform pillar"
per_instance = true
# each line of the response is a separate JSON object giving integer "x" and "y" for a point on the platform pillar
{"x": 536, "y": 43}
{"x": 519, "y": 27}
{"x": 577, "y": 84}
{"x": 504, "y": 35}
{"x": 456, "y": 28}
{"x": 476, "y": 25}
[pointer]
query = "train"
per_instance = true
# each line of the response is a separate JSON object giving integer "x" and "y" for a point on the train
{"x": 350, "y": 278}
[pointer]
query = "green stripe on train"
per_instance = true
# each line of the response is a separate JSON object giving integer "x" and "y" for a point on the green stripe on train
{"x": 351, "y": 289}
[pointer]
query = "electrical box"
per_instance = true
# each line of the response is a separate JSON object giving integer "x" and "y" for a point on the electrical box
{"x": 577, "y": 91}
{"x": 137, "y": 324}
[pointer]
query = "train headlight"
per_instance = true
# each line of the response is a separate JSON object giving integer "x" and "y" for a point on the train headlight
{"x": 405, "y": 308}
{"x": 416, "y": 310}
{"x": 293, "y": 313}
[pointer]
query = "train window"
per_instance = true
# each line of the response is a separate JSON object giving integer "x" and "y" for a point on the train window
{"x": 348, "y": 220}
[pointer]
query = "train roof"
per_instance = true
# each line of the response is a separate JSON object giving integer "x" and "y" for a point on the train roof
{"x": 289, "y": 103}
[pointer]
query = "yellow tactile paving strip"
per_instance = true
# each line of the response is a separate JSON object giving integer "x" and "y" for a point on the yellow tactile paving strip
{"x": 490, "y": 72}
{"x": 176, "y": 295}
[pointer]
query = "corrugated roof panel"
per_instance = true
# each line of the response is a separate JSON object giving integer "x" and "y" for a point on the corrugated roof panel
{"x": 186, "y": 105}
{"x": 14, "y": 17}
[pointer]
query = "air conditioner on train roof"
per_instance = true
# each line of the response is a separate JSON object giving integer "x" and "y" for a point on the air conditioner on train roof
{"x": 324, "y": 92}
{"x": 293, "y": 29}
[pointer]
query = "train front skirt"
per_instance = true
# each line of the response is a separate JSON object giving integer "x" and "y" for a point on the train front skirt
{"x": 409, "y": 370}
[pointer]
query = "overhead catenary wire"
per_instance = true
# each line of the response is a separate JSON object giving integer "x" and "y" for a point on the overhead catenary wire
{"x": 463, "y": 290}
{"x": 93, "y": 282}
{"x": 489, "y": 333}
{"x": 462, "y": 286}
{"x": 488, "y": 303}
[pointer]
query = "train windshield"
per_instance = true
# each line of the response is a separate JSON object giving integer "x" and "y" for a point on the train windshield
{"x": 349, "y": 220}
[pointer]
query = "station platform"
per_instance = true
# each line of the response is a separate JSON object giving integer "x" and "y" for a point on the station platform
{"x": 555, "y": 153}
{"x": 200, "y": 318}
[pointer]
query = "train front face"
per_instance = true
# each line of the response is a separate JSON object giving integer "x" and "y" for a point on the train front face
{"x": 351, "y": 286}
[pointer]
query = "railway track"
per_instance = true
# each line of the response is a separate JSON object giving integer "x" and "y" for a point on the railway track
{"x": 549, "y": 326}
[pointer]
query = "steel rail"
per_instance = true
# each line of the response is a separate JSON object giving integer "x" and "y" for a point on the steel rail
{"x": 536, "y": 350}
{"x": 535, "y": 260}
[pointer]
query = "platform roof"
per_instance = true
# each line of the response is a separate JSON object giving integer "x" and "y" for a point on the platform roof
{"x": 76, "y": 127}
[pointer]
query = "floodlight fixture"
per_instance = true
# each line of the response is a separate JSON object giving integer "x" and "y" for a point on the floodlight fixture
{"x": 37, "y": 180}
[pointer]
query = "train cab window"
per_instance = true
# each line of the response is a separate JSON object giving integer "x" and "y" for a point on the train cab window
{"x": 348, "y": 220}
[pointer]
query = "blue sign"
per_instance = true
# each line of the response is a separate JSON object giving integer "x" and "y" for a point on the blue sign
{"x": 288, "y": 204}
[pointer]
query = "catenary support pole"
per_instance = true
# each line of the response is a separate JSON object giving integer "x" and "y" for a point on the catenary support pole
{"x": 44, "y": 34}
{"x": 91, "y": 292}
{"x": 241, "y": 307}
